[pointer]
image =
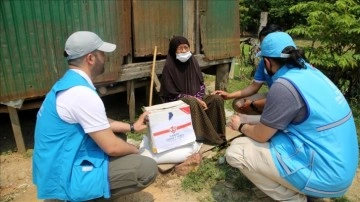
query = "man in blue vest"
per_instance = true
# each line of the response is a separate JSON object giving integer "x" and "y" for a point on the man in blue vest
{"x": 306, "y": 142}
{"x": 248, "y": 100}
{"x": 77, "y": 156}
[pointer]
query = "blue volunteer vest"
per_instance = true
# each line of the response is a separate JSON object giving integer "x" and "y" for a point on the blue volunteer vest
{"x": 67, "y": 163}
{"x": 318, "y": 156}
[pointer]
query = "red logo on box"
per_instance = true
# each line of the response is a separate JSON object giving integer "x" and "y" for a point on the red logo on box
{"x": 172, "y": 129}
{"x": 186, "y": 109}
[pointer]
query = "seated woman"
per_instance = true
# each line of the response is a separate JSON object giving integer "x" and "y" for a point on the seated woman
{"x": 182, "y": 79}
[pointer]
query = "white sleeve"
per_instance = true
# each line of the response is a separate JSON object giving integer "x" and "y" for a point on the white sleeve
{"x": 82, "y": 105}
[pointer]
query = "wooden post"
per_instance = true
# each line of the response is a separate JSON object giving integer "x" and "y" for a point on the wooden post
{"x": 152, "y": 76}
{"x": 130, "y": 90}
{"x": 263, "y": 21}
{"x": 232, "y": 67}
{"x": 15, "y": 123}
{"x": 130, "y": 94}
{"x": 222, "y": 76}
{"x": 189, "y": 23}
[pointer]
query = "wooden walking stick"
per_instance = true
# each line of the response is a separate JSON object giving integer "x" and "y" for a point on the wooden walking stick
{"x": 152, "y": 77}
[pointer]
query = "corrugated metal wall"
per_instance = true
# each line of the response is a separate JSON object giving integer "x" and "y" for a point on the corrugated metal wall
{"x": 33, "y": 34}
{"x": 155, "y": 22}
{"x": 219, "y": 27}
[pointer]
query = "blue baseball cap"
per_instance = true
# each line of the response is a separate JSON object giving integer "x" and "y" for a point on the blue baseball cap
{"x": 274, "y": 43}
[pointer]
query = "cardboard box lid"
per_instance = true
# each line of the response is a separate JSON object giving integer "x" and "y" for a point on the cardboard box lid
{"x": 168, "y": 105}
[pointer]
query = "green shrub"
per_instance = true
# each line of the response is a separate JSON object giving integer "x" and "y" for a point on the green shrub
{"x": 335, "y": 27}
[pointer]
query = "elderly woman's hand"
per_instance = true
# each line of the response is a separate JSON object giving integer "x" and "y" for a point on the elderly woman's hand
{"x": 202, "y": 103}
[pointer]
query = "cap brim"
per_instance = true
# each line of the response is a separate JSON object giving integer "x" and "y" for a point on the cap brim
{"x": 107, "y": 47}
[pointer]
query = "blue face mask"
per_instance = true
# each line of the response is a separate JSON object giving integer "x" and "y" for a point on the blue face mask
{"x": 183, "y": 57}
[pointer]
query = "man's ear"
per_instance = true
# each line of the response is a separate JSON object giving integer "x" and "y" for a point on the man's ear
{"x": 90, "y": 58}
{"x": 267, "y": 62}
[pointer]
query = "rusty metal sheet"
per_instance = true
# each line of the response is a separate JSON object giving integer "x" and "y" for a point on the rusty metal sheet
{"x": 33, "y": 34}
{"x": 219, "y": 27}
{"x": 154, "y": 23}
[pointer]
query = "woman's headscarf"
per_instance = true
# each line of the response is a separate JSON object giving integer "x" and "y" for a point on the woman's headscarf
{"x": 178, "y": 77}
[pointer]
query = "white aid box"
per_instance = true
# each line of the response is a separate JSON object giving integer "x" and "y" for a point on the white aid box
{"x": 170, "y": 126}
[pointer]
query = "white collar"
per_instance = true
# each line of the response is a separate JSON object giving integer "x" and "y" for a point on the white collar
{"x": 85, "y": 76}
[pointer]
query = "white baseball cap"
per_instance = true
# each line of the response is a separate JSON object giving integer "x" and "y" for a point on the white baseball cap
{"x": 83, "y": 42}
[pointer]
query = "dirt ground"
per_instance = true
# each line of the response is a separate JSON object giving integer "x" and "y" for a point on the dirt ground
{"x": 16, "y": 184}
{"x": 16, "y": 173}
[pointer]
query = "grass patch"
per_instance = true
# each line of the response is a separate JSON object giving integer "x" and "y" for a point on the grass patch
{"x": 206, "y": 176}
{"x": 135, "y": 136}
{"x": 243, "y": 76}
{"x": 211, "y": 172}
{"x": 341, "y": 199}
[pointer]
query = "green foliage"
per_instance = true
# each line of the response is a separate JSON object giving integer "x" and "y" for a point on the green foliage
{"x": 279, "y": 13}
{"x": 336, "y": 26}
{"x": 249, "y": 12}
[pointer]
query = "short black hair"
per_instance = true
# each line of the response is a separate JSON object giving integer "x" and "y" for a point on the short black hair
{"x": 269, "y": 29}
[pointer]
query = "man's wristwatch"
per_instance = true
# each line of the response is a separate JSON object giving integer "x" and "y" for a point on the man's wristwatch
{"x": 240, "y": 127}
{"x": 132, "y": 127}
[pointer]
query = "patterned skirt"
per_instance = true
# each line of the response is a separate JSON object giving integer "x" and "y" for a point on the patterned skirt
{"x": 209, "y": 124}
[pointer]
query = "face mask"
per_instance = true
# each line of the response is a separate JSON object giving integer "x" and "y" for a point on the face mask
{"x": 270, "y": 73}
{"x": 183, "y": 57}
{"x": 265, "y": 71}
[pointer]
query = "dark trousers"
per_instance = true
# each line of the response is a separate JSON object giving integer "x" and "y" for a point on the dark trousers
{"x": 128, "y": 174}
{"x": 131, "y": 173}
